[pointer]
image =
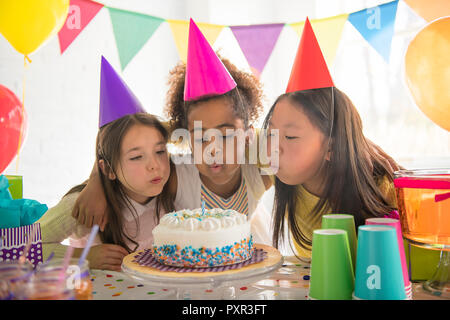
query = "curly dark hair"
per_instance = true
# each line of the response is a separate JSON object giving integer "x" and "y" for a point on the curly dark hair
{"x": 246, "y": 98}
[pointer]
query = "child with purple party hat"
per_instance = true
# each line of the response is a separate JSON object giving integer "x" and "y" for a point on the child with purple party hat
{"x": 133, "y": 166}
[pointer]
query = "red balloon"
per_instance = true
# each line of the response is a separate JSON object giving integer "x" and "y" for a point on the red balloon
{"x": 12, "y": 126}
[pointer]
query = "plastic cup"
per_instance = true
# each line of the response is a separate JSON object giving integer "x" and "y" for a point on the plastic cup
{"x": 396, "y": 224}
{"x": 41, "y": 287}
{"x": 15, "y": 186}
{"x": 345, "y": 222}
{"x": 13, "y": 276}
{"x": 76, "y": 278}
{"x": 332, "y": 276}
{"x": 379, "y": 274}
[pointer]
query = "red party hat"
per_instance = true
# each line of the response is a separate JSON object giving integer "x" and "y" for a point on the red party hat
{"x": 310, "y": 70}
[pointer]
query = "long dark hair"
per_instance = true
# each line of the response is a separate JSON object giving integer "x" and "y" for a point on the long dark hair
{"x": 352, "y": 173}
{"x": 108, "y": 143}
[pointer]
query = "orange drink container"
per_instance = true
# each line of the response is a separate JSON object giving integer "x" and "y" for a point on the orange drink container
{"x": 423, "y": 198}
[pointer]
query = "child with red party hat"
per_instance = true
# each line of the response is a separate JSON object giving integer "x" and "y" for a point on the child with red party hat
{"x": 326, "y": 165}
{"x": 130, "y": 152}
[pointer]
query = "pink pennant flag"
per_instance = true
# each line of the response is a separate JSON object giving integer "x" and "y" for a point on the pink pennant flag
{"x": 257, "y": 43}
{"x": 81, "y": 12}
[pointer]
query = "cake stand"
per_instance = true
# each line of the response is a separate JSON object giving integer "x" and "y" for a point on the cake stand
{"x": 223, "y": 281}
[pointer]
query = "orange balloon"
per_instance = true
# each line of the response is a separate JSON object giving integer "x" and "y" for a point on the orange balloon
{"x": 427, "y": 68}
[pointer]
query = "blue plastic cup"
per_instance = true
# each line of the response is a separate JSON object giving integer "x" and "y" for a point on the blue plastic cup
{"x": 379, "y": 273}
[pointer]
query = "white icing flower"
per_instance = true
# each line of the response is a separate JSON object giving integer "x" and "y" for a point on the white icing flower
{"x": 210, "y": 224}
{"x": 170, "y": 221}
{"x": 227, "y": 222}
{"x": 190, "y": 224}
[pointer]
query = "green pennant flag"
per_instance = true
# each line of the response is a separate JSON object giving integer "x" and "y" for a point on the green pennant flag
{"x": 131, "y": 31}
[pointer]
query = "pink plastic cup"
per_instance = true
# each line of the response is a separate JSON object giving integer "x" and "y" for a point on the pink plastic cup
{"x": 396, "y": 224}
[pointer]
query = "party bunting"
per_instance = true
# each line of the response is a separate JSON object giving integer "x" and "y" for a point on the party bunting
{"x": 81, "y": 12}
{"x": 180, "y": 31}
{"x": 257, "y": 43}
{"x": 376, "y": 25}
{"x": 430, "y": 10}
{"x": 328, "y": 32}
{"x": 131, "y": 31}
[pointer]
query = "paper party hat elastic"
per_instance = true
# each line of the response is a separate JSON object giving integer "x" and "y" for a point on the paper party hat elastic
{"x": 205, "y": 73}
{"x": 116, "y": 99}
{"x": 310, "y": 70}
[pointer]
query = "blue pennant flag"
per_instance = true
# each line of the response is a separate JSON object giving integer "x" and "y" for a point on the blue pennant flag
{"x": 376, "y": 25}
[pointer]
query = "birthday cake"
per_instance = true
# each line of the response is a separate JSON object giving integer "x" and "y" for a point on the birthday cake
{"x": 193, "y": 238}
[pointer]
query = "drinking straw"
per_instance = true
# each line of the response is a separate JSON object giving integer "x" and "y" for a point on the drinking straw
{"x": 66, "y": 261}
{"x": 88, "y": 244}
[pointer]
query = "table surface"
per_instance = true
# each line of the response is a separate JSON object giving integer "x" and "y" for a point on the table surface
{"x": 289, "y": 282}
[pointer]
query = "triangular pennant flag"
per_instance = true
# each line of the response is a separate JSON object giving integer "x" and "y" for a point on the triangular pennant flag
{"x": 257, "y": 43}
{"x": 309, "y": 70}
{"x": 376, "y": 25}
{"x": 131, "y": 31}
{"x": 328, "y": 32}
{"x": 180, "y": 31}
{"x": 81, "y": 12}
{"x": 206, "y": 75}
{"x": 430, "y": 10}
{"x": 116, "y": 98}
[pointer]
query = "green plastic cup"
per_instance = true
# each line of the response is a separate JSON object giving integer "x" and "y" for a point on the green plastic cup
{"x": 345, "y": 222}
{"x": 15, "y": 186}
{"x": 332, "y": 276}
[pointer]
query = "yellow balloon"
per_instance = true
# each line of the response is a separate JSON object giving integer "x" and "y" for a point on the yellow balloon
{"x": 27, "y": 24}
{"x": 427, "y": 68}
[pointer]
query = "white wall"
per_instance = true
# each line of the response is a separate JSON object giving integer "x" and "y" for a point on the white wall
{"x": 62, "y": 90}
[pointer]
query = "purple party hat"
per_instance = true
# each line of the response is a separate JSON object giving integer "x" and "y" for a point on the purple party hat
{"x": 116, "y": 99}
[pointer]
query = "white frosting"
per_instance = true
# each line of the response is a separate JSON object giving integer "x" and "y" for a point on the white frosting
{"x": 213, "y": 219}
{"x": 217, "y": 228}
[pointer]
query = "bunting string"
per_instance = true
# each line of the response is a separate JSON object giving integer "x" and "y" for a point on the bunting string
{"x": 132, "y": 30}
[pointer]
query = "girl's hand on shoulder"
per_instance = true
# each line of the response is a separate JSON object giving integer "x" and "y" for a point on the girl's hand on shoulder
{"x": 106, "y": 257}
{"x": 90, "y": 206}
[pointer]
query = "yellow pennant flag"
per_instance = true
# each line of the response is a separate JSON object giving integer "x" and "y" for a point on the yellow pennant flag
{"x": 328, "y": 32}
{"x": 180, "y": 31}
